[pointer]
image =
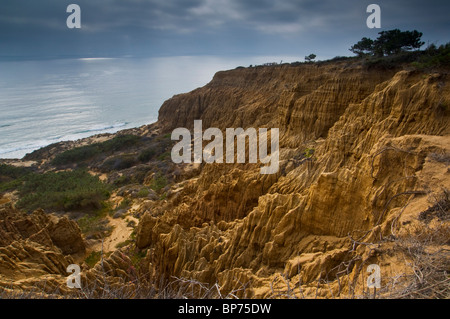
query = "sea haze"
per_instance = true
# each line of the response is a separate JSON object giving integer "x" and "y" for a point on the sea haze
{"x": 47, "y": 101}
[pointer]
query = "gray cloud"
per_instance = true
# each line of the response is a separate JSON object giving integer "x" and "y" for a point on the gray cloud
{"x": 154, "y": 27}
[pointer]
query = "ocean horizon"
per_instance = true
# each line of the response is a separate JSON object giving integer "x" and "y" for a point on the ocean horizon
{"x": 48, "y": 101}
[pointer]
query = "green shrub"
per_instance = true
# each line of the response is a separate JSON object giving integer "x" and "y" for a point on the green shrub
{"x": 309, "y": 152}
{"x": 122, "y": 180}
{"x": 157, "y": 149}
{"x": 434, "y": 57}
{"x": 139, "y": 174}
{"x": 77, "y": 155}
{"x": 144, "y": 192}
{"x": 95, "y": 225}
{"x": 69, "y": 190}
{"x": 93, "y": 258}
{"x": 13, "y": 172}
{"x": 83, "y": 153}
{"x": 11, "y": 177}
{"x": 119, "y": 143}
{"x": 118, "y": 163}
{"x": 124, "y": 204}
{"x": 392, "y": 61}
{"x": 137, "y": 257}
{"x": 159, "y": 181}
{"x": 147, "y": 155}
{"x": 164, "y": 156}
{"x": 340, "y": 58}
{"x": 10, "y": 185}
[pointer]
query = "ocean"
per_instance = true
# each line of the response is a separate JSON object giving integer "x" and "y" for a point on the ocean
{"x": 48, "y": 101}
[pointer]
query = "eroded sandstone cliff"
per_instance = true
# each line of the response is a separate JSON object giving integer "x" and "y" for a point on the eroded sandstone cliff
{"x": 362, "y": 153}
{"x": 364, "y": 179}
{"x": 36, "y": 250}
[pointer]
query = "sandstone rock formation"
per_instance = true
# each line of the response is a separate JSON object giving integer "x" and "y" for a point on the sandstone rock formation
{"x": 35, "y": 251}
{"x": 375, "y": 134}
{"x": 364, "y": 179}
{"x": 36, "y": 248}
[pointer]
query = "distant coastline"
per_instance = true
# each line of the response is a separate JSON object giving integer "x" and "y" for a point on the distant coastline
{"x": 53, "y": 99}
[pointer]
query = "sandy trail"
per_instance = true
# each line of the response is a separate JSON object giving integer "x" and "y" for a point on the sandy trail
{"x": 120, "y": 233}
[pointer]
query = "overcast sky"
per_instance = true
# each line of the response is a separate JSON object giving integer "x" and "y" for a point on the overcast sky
{"x": 208, "y": 27}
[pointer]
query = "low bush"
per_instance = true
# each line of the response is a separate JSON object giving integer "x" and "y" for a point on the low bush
{"x": 164, "y": 156}
{"x": 77, "y": 155}
{"x": 434, "y": 57}
{"x": 69, "y": 190}
{"x": 93, "y": 258}
{"x": 118, "y": 163}
{"x": 122, "y": 181}
{"x": 309, "y": 152}
{"x": 147, "y": 155}
{"x": 95, "y": 226}
{"x": 12, "y": 177}
{"x": 84, "y": 153}
{"x": 119, "y": 143}
{"x": 158, "y": 182}
{"x": 144, "y": 192}
{"x": 393, "y": 61}
{"x": 124, "y": 204}
{"x": 430, "y": 58}
{"x": 13, "y": 172}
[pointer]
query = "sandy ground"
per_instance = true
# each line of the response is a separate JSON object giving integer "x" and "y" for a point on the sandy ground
{"x": 17, "y": 162}
{"x": 120, "y": 233}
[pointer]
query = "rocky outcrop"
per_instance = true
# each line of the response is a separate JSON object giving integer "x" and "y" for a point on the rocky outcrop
{"x": 47, "y": 230}
{"x": 66, "y": 235}
{"x": 36, "y": 248}
{"x": 364, "y": 157}
{"x": 373, "y": 135}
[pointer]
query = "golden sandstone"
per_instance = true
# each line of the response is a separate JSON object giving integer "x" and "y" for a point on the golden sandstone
{"x": 363, "y": 152}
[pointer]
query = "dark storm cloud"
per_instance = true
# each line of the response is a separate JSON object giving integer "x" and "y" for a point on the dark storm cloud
{"x": 154, "y": 27}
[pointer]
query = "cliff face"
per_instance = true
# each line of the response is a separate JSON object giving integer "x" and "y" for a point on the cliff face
{"x": 37, "y": 248}
{"x": 380, "y": 143}
{"x": 363, "y": 179}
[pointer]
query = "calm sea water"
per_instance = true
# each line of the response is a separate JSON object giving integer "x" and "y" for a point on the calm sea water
{"x": 43, "y": 102}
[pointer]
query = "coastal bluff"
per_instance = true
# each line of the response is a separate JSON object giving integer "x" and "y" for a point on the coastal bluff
{"x": 363, "y": 151}
{"x": 363, "y": 179}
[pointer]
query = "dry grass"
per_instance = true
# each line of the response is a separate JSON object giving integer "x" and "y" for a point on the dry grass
{"x": 106, "y": 287}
